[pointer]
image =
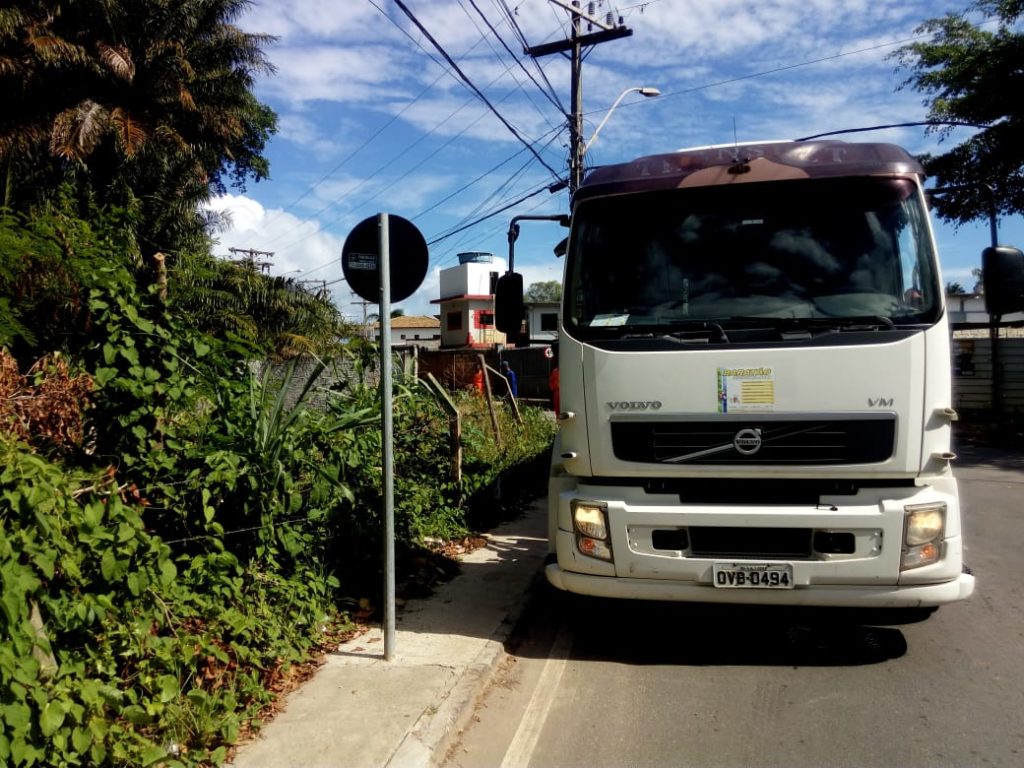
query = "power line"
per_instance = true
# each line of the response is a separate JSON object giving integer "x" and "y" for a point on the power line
{"x": 467, "y": 186}
{"x": 492, "y": 214}
{"x": 788, "y": 67}
{"x": 550, "y": 94}
{"x": 510, "y": 15}
{"x": 385, "y": 126}
{"x": 462, "y": 228}
{"x": 469, "y": 83}
{"x": 553, "y": 136}
{"x": 374, "y": 174}
{"x": 486, "y": 201}
{"x": 405, "y": 151}
{"x": 390, "y": 162}
{"x": 362, "y": 146}
{"x": 379, "y": 131}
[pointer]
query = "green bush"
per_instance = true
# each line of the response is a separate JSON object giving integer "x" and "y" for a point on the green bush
{"x": 159, "y": 576}
{"x": 138, "y": 656}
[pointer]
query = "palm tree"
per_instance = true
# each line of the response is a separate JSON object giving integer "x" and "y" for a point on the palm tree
{"x": 276, "y": 315}
{"x": 955, "y": 289}
{"x": 144, "y": 104}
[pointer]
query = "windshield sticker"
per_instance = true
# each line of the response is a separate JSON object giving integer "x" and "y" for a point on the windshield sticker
{"x": 746, "y": 389}
{"x": 609, "y": 320}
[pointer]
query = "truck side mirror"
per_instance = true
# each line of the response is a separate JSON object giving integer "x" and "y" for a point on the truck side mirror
{"x": 1002, "y": 273}
{"x": 508, "y": 304}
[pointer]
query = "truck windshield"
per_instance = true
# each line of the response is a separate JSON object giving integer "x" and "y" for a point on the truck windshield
{"x": 803, "y": 252}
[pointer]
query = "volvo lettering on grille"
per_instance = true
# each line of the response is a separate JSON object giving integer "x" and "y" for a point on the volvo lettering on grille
{"x": 635, "y": 405}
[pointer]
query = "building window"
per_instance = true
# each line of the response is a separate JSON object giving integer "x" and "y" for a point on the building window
{"x": 484, "y": 318}
{"x": 549, "y": 321}
{"x": 454, "y": 321}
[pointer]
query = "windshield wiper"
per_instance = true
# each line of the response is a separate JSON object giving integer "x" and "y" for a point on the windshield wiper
{"x": 855, "y": 323}
{"x": 680, "y": 331}
{"x": 852, "y": 323}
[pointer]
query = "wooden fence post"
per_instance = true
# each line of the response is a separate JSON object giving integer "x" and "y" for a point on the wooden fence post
{"x": 454, "y": 428}
{"x": 490, "y": 398}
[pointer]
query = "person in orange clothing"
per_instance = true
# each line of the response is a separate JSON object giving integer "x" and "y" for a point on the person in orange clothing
{"x": 553, "y": 380}
{"x": 553, "y": 386}
{"x": 478, "y": 379}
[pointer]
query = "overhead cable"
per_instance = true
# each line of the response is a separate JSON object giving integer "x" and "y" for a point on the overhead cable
{"x": 548, "y": 92}
{"x": 492, "y": 214}
{"x": 469, "y": 83}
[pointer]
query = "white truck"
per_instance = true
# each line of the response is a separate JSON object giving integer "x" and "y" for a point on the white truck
{"x": 755, "y": 389}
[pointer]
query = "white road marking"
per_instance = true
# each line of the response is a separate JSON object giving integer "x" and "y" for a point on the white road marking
{"x": 520, "y": 750}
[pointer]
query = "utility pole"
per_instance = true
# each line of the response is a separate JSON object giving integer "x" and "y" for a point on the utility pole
{"x": 364, "y": 304}
{"x": 609, "y": 29}
{"x": 250, "y": 257}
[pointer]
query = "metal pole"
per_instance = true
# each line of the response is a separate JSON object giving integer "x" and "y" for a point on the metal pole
{"x": 576, "y": 118}
{"x": 387, "y": 438}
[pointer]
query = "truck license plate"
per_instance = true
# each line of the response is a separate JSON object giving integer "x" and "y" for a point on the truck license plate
{"x": 753, "y": 575}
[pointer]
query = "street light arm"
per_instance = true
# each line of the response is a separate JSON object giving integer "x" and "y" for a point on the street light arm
{"x": 645, "y": 91}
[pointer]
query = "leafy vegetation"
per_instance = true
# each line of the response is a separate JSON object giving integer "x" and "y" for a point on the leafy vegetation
{"x": 966, "y": 73}
{"x": 177, "y": 529}
{"x": 547, "y": 290}
{"x": 276, "y": 315}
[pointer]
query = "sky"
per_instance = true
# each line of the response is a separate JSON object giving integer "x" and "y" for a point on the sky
{"x": 374, "y": 118}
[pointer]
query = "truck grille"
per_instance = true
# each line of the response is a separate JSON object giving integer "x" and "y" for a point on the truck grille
{"x": 746, "y": 543}
{"x": 789, "y": 543}
{"x": 756, "y": 440}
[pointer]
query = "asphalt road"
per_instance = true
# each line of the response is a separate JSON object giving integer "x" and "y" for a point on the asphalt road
{"x": 609, "y": 683}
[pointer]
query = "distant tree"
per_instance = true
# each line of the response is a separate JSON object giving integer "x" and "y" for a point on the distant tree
{"x": 549, "y": 290}
{"x": 955, "y": 289}
{"x": 970, "y": 75}
{"x": 373, "y": 318}
{"x": 979, "y": 283}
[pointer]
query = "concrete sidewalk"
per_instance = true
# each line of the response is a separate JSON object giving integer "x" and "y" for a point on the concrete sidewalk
{"x": 359, "y": 710}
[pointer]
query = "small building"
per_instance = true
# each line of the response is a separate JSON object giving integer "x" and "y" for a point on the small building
{"x": 421, "y": 330}
{"x": 467, "y": 302}
{"x": 967, "y": 311}
{"x": 966, "y": 308}
{"x": 542, "y": 321}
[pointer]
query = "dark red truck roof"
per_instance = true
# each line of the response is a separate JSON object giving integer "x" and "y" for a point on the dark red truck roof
{"x": 744, "y": 163}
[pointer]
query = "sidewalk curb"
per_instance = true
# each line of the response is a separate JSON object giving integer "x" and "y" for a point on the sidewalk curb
{"x": 432, "y": 735}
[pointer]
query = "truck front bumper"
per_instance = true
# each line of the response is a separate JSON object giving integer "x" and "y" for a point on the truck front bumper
{"x": 866, "y": 572}
{"x": 913, "y": 596}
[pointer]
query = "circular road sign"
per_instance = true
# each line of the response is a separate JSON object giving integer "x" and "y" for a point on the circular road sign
{"x": 407, "y": 257}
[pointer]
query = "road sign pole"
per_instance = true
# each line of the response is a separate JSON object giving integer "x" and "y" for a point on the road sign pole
{"x": 387, "y": 437}
{"x": 366, "y": 260}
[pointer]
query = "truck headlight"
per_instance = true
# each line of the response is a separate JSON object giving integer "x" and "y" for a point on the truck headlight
{"x": 923, "y": 528}
{"x": 590, "y": 520}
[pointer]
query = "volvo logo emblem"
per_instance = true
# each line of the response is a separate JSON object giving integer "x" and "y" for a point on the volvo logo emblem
{"x": 747, "y": 441}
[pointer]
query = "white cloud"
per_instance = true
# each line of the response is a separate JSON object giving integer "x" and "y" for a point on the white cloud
{"x": 342, "y": 73}
{"x": 297, "y": 19}
{"x": 305, "y": 131}
{"x": 299, "y": 246}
